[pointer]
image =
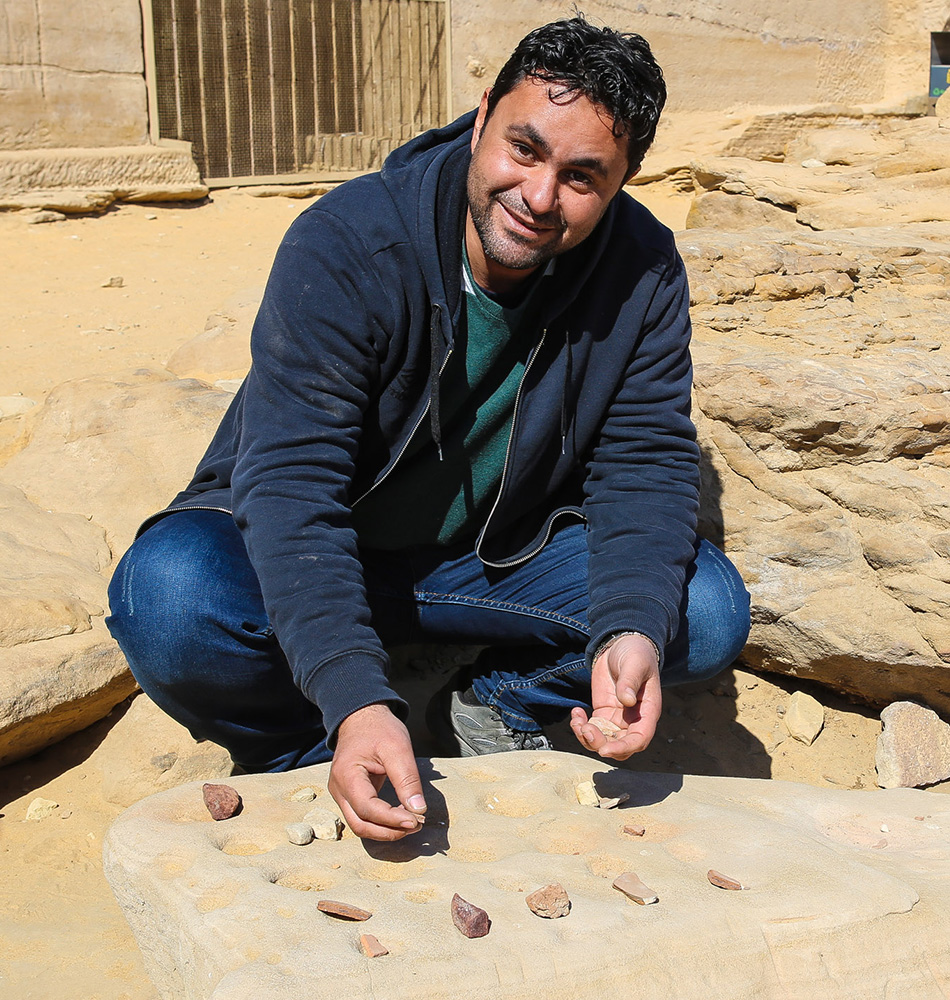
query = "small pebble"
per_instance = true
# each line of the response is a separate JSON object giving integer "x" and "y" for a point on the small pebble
{"x": 303, "y": 795}
{"x": 470, "y": 919}
{"x": 614, "y": 802}
{"x": 41, "y": 808}
{"x": 343, "y": 910}
{"x": 587, "y": 794}
{"x": 151, "y": 216}
{"x": 632, "y": 830}
{"x": 885, "y": 828}
{"x": 299, "y": 833}
{"x": 919, "y": 819}
{"x": 881, "y": 843}
{"x": 632, "y": 887}
{"x": 550, "y": 902}
{"x": 116, "y": 281}
{"x": 371, "y": 946}
{"x": 222, "y": 801}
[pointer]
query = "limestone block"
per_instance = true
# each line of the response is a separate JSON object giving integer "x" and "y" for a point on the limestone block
{"x": 913, "y": 749}
{"x": 19, "y": 38}
{"x": 97, "y": 36}
{"x": 230, "y": 910}
{"x": 942, "y": 107}
{"x": 223, "y": 350}
{"x": 53, "y": 688}
{"x": 116, "y": 449}
{"x": 58, "y": 178}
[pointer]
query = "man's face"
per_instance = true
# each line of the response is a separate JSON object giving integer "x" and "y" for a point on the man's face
{"x": 542, "y": 175}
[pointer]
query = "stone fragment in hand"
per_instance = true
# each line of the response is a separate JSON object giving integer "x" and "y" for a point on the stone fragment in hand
{"x": 723, "y": 881}
{"x": 345, "y": 911}
{"x": 471, "y": 920}
{"x": 371, "y": 946}
{"x": 551, "y": 901}
{"x": 222, "y": 800}
{"x": 631, "y": 886}
{"x": 608, "y": 728}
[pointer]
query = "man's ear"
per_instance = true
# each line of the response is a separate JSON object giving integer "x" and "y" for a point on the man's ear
{"x": 480, "y": 119}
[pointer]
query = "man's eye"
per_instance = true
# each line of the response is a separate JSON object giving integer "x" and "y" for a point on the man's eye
{"x": 579, "y": 179}
{"x": 522, "y": 151}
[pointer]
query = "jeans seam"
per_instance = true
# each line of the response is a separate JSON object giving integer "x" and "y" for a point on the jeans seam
{"x": 529, "y": 682}
{"x": 496, "y": 605}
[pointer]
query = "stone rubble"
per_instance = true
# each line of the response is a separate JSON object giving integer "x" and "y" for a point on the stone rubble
{"x": 300, "y": 834}
{"x": 631, "y": 886}
{"x": 345, "y": 911}
{"x": 587, "y": 794}
{"x": 913, "y": 749}
{"x": 723, "y": 881}
{"x": 371, "y": 947}
{"x": 804, "y": 718}
{"x": 550, "y": 901}
{"x": 41, "y": 808}
{"x": 325, "y": 825}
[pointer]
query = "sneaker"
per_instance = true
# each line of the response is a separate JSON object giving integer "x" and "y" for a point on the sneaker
{"x": 460, "y": 722}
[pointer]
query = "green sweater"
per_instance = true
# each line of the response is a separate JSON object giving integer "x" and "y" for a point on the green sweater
{"x": 425, "y": 501}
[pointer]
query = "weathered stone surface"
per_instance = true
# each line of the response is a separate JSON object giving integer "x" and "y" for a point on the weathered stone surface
{"x": 804, "y": 717}
{"x": 913, "y": 749}
{"x": 114, "y": 435}
{"x": 213, "y": 905}
{"x": 154, "y": 753}
{"x": 822, "y": 400}
{"x": 41, "y": 808}
{"x": 222, "y": 801}
{"x": 470, "y": 919}
{"x": 223, "y": 350}
{"x": 829, "y": 173}
{"x": 89, "y": 180}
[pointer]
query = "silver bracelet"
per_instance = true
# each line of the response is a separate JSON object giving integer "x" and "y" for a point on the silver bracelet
{"x": 602, "y": 648}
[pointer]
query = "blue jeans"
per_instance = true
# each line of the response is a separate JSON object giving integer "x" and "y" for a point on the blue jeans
{"x": 188, "y": 614}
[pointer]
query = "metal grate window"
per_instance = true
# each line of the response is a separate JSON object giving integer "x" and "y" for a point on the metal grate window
{"x": 272, "y": 87}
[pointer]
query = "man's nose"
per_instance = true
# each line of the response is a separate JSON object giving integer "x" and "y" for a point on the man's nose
{"x": 540, "y": 191}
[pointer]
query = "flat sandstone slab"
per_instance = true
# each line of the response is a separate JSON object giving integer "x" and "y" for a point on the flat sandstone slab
{"x": 834, "y": 905}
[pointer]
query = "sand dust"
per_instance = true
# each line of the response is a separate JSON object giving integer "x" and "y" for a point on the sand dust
{"x": 62, "y": 933}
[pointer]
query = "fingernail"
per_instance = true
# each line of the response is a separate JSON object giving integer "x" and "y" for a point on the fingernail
{"x": 409, "y": 824}
{"x": 416, "y": 803}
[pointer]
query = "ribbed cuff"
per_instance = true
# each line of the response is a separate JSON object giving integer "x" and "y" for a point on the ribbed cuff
{"x": 629, "y": 614}
{"x": 350, "y": 681}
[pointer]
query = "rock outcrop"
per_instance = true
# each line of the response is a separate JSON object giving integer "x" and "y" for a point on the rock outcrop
{"x": 826, "y": 171}
{"x": 232, "y": 910}
{"x": 823, "y": 405}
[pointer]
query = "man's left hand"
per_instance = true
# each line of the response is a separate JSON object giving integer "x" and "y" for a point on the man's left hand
{"x": 625, "y": 691}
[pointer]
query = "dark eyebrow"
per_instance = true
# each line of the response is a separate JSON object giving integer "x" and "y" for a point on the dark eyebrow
{"x": 536, "y": 139}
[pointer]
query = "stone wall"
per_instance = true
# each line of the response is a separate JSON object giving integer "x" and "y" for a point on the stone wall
{"x": 721, "y": 54}
{"x": 71, "y": 74}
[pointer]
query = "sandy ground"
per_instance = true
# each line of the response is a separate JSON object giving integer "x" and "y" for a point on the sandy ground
{"x": 61, "y": 933}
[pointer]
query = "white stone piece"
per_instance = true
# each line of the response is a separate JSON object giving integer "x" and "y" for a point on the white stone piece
{"x": 41, "y": 808}
{"x": 804, "y": 717}
{"x": 306, "y": 794}
{"x": 299, "y": 833}
{"x": 913, "y": 749}
{"x": 586, "y": 794}
{"x": 326, "y": 825}
{"x": 229, "y": 911}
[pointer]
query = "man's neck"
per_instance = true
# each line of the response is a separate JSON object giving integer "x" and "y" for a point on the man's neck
{"x": 488, "y": 274}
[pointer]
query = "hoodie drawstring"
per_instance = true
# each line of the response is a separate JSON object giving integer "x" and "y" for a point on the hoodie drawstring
{"x": 568, "y": 380}
{"x": 435, "y": 342}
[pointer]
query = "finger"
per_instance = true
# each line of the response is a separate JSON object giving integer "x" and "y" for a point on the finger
{"x": 370, "y": 831}
{"x": 404, "y": 777}
{"x": 355, "y": 787}
{"x": 589, "y": 737}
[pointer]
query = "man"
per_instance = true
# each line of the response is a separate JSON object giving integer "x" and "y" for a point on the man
{"x": 467, "y": 419}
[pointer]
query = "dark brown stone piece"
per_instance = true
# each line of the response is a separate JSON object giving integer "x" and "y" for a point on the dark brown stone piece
{"x": 723, "y": 881}
{"x": 551, "y": 901}
{"x": 342, "y": 910}
{"x": 371, "y": 946}
{"x": 222, "y": 800}
{"x": 471, "y": 920}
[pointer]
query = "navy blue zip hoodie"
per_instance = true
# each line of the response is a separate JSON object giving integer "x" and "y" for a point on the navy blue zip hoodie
{"x": 356, "y": 323}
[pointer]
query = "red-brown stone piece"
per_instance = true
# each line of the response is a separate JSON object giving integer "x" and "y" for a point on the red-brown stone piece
{"x": 371, "y": 946}
{"x": 344, "y": 911}
{"x": 723, "y": 881}
{"x": 551, "y": 901}
{"x": 222, "y": 800}
{"x": 631, "y": 886}
{"x": 632, "y": 830}
{"x": 471, "y": 920}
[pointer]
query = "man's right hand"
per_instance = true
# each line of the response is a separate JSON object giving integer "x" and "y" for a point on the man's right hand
{"x": 373, "y": 745}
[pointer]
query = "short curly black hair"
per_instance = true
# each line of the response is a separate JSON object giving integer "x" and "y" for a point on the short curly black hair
{"x": 614, "y": 69}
